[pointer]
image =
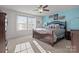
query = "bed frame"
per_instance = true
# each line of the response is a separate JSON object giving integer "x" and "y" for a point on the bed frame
{"x": 42, "y": 36}
{"x": 48, "y": 37}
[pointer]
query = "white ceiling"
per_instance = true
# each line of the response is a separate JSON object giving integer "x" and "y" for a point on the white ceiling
{"x": 30, "y": 8}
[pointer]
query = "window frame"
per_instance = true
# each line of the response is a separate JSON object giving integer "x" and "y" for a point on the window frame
{"x": 26, "y": 22}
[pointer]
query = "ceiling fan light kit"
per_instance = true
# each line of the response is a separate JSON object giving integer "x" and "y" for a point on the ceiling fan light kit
{"x": 42, "y": 8}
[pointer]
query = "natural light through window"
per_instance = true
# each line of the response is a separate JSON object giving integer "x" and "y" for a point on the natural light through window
{"x": 26, "y": 22}
{"x": 31, "y": 23}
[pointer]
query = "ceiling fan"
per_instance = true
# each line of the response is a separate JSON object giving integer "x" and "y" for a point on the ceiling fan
{"x": 42, "y": 8}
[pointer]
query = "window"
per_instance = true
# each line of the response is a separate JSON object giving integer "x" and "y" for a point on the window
{"x": 21, "y": 23}
{"x": 26, "y": 23}
{"x": 31, "y": 23}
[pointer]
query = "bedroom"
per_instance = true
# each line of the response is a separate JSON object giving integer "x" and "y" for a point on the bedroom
{"x": 30, "y": 29}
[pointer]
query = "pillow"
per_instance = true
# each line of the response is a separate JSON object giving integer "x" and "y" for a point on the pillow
{"x": 61, "y": 27}
{"x": 51, "y": 26}
{"x": 57, "y": 26}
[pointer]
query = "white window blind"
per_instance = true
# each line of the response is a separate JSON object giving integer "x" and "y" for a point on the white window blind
{"x": 31, "y": 23}
{"x": 26, "y": 23}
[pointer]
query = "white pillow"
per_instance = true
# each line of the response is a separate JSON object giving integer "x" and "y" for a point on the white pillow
{"x": 57, "y": 26}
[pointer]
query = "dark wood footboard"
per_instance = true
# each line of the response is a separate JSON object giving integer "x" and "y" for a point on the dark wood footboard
{"x": 45, "y": 37}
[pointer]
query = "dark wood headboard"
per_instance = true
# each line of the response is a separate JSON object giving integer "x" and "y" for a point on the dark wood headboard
{"x": 61, "y": 23}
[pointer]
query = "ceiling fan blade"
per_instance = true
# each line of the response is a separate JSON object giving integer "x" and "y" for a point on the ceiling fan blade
{"x": 45, "y": 9}
{"x": 45, "y": 6}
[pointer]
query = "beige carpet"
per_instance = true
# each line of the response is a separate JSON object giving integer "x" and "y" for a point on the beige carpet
{"x": 21, "y": 44}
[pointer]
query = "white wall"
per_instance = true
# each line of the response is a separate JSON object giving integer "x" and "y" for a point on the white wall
{"x": 11, "y": 28}
{"x": 39, "y": 22}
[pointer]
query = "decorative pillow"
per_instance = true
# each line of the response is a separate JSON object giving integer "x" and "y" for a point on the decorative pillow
{"x": 51, "y": 26}
{"x": 62, "y": 27}
{"x": 57, "y": 26}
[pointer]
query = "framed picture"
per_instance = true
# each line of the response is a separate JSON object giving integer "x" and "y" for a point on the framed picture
{"x": 55, "y": 16}
{"x": 61, "y": 17}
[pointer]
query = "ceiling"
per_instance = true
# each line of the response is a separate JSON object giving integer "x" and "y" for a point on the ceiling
{"x": 30, "y": 8}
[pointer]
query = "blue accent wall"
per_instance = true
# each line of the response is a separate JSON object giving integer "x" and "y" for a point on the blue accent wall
{"x": 71, "y": 16}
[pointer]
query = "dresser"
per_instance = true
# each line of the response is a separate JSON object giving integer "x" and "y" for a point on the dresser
{"x": 75, "y": 40}
{"x": 2, "y": 32}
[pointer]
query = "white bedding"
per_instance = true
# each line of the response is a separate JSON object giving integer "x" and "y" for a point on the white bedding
{"x": 40, "y": 29}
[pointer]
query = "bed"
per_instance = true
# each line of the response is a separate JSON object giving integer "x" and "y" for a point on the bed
{"x": 50, "y": 34}
{"x": 43, "y": 35}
